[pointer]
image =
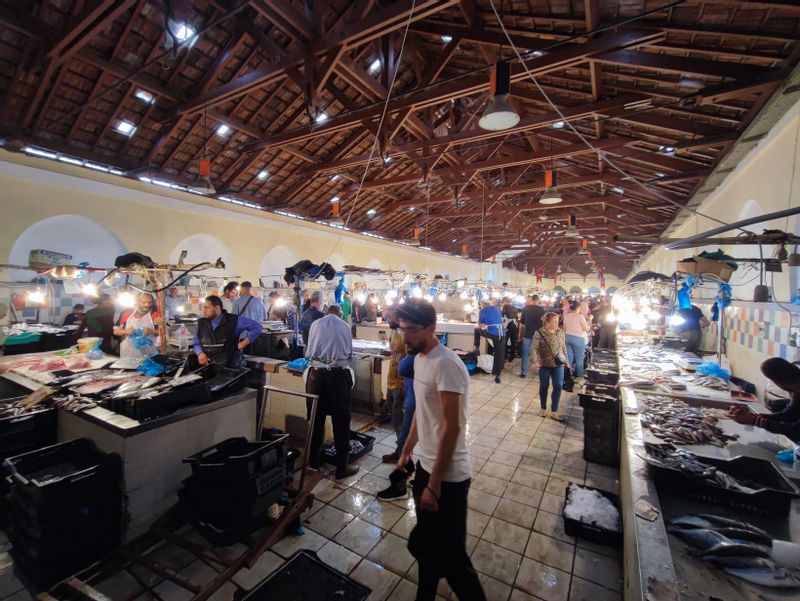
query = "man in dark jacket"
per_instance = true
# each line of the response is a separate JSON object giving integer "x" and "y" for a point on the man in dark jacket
{"x": 219, "y": 335}
{"x": 100, "y": 322}
{"x": 312, "y": 314}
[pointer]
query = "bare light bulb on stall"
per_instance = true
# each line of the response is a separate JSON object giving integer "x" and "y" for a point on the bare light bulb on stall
{"x": 677, "y": 320}
{"x": 443, "y": 297}
{"x": 280, "y": 302}
{"x": 89, "y": 290}
{"x": 35, "y": 296}
{"x": 416, "y": 293}
{"x": 126, "y": 299}
{"x": 361, "y": 297}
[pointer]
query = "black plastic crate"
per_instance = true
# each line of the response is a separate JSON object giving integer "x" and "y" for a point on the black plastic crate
{"x": 306, "y": 577}
{"x": 601, "y": 436}
{"x": 592, "y": 532}
{"x": 597, "y": 376}
{"x": 367, "y": 442}
{"x": 598, "y": 401}
{"x": 237, "y": 459}
{"x": 228, "y": 494}
{"x": 774, "y": 500}
{"x": 28, "y": 431}
{"x": 222, "y": 380}
{"x": 225, "y": 529}
{"x": 55, "y": 342}
{"x": 69, "y": 470}
{"x": 195, "y": 393}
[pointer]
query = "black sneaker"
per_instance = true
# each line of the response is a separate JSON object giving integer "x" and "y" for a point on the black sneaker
{"x": 391, "y": 457}
{"x": 346, "y": 472}
{"x": 497, "y": 379}
{"x": 393, "y": 493}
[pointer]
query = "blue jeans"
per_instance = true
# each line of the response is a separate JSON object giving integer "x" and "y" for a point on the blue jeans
{"x": 576, "y": 350}
{"x": 556, "y": 374}
{"x": 408, "y": 415}
{"x": 526, "y": 355}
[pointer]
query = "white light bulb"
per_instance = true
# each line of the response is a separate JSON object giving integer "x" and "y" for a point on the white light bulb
{"x": 416, "y": 293}
{"x": 443, "y": 297}
{"x": 677, "y": 320}
{"x": 463, "y": 295}
{"x": 35, "y": 296}
{"x": 391, "y": 294}
{"x": 126, "y": 299}
{"x": 361, "y": 297}
{"x": 280, "y": 302}
{"x": 387, "y": 302}
{"x": 89, "y": 290}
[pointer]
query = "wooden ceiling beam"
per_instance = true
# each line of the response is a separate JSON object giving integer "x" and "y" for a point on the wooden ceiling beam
{"x": 678, "y": 64}
{"x": 95, "y": 18}
{"x": 741, "y": 89}
{"x": 558, "y": 59}
{"x": 374, "y": 25}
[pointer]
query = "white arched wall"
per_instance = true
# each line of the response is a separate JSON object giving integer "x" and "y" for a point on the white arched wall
{"x": 205, "y": 247}
{"x": 76, "y": 235}
{"x": 274, "y": 264}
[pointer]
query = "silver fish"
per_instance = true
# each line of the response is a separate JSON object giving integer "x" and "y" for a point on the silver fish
{"x": 744, "y": 534}
{"x": 699, "y": 537}
{"x": 740, "y": 562}
{"x": 730, "y": 548}
{"x": 729, "y": 523}
{"x": 773, "y": 578}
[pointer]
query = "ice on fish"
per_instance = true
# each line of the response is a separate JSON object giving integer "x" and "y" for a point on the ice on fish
{"x": 591, "y": 507}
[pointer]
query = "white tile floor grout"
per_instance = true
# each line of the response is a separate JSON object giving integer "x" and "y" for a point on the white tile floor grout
{"x": 522, "y": 464}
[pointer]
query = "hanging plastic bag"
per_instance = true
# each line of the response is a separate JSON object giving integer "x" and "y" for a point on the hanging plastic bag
{"x": 143, "y": 344}
{"x": 95, "y": 352}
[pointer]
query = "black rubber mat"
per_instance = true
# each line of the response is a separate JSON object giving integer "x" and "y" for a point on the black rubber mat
{"x": 305, "y": 578}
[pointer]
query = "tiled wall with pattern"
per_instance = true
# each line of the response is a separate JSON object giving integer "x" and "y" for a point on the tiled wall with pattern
{"x": 765, "y": 328}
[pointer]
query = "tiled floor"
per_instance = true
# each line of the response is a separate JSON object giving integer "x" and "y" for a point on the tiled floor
{"x": 522, "y": 464}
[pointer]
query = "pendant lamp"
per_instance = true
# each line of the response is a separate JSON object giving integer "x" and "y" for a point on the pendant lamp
{"x": 499, "y": 113}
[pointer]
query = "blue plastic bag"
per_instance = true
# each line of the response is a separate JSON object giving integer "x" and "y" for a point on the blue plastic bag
{"x": 95, "y": 352}
{"x": 151, "y": 368}
{"x": 709, "y": 368}
{"x": 299, "y": 364}
{"x": 144, "y": 344}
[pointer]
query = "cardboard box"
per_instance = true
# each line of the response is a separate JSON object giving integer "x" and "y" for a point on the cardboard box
{"x": 702, "y": 266}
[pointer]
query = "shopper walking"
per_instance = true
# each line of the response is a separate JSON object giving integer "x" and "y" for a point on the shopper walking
{"x": 510, "y": 317}
{"x": 549, "y": 356}
{"x": 329, "y": 349}
{"x": 443, "y": 470}
{"x": 490, "y": 325}
{"x": 576, "y": 329}
{"x": 394, "y": 392}
{"x": 531, "y": 319}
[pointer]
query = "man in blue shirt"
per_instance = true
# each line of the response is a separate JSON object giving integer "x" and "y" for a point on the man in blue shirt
{"x": 248, "y": 305}
{"x": 312, "y": 314}
{"x": 218, "y": 335}
{"x": 490, "y": 325}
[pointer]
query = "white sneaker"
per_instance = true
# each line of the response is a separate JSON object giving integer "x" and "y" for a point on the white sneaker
{"x": 542, "y": 412}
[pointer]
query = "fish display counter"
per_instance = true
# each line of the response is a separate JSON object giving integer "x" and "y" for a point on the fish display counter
{"x": 152, "y": 448}
{"x": 708, "y": 510}
{"x": 460, "y": 334}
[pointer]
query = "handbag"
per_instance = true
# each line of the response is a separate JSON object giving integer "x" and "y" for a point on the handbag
{"x": 557, "y": 357}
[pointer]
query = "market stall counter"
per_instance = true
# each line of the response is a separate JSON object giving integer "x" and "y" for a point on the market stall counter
{"x": 680, "y": 456}
{"x": 152, "y": 450}
{"x": 460, "y": 334}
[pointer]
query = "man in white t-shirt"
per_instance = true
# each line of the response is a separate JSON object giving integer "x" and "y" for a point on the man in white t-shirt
{"x": 441, "y": 484}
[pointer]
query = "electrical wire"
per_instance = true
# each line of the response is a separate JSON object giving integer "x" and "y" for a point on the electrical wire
{"x": 585, "y": 140}
{"x": 378, "y": 131}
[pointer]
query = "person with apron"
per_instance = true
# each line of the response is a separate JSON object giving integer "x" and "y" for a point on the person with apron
{"x": 143, "y": 317}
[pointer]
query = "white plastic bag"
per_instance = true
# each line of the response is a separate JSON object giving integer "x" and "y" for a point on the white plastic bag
{"x": 485, "y": 363}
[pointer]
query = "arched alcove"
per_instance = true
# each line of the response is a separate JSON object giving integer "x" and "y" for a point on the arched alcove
{"x": 274, "y": 264}
{"x": 81, "y": 237}
{"x": 205, "y": 247}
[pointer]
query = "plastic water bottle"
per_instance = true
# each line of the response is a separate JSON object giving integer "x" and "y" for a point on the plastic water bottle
{"x": 183, "y": 339}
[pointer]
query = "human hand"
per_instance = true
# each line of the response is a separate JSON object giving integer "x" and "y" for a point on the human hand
{"x": 202, "y": 359}
{"x": 403, "y": 461}
{"x": 242, "y": 345}
{"x": 129, "y": 331}
{"x": 535, "y": 367}
{"x": 430, "y": 498}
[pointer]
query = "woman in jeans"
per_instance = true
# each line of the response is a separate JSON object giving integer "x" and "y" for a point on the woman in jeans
{"x": 549, "y": 355}
{"x": 576, "y": 328}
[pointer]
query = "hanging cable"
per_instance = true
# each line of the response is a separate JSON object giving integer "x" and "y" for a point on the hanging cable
{"x": 650, "y": 190}
{"x": 380, "y": 126}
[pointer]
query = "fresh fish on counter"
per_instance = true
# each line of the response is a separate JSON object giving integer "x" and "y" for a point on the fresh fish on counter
{"x": 104, "y": 384}
{"x": 773, "y": 577}
{"x": 74, "y": 403}
{"x": 668, "y": 457}
{"x": 134, "y": 388}
{"x": 740, "y": 549}
{"x": 676, "y": 422}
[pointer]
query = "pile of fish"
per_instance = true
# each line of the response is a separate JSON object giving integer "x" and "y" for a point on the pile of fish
{"x": 686, "y": 462}
{"x": 711, "y": 382}
{"x": 73, "y": 403}
{"x": 738, "y": 548}
{"x": 15, "y": 409}
{"x": 676, "y": 422}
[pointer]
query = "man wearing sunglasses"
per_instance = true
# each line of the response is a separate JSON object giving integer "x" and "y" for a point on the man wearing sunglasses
{"x": 443, "y": 470}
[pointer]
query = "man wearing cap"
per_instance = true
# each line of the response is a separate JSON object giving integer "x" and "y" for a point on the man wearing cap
{"x": 329, "y": 349}
{"x": 443, "y": 470}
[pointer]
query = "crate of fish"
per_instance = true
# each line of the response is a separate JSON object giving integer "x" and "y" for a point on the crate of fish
{"x": 360, "y": 445}
{"x": 743, "y": 483}
{"x": 237, "y": 459}
{"x": 678, "y": 423}
{"x": 592, "y": 514}
{"x": 164, "y": 401}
